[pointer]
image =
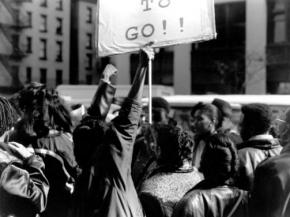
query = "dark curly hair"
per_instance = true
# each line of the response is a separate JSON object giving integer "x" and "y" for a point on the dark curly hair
{"x": 220, "y": 159}
{"x": 42, "y": 110}
{"x": 176, "y": 145}
{"x": 8, "y": 115}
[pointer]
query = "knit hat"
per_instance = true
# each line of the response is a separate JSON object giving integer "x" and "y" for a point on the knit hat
{"x": 159, "y": 102}
{"x": 224, "y": 107}
{"x": 258, "y": 113}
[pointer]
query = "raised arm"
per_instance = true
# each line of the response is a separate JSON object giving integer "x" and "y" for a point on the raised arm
{"x": 136, "y": 90}
{"x": 104, "y": 95}
{"x": 125, "y": 124}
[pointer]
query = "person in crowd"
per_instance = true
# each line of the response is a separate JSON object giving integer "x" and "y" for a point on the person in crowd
{"x": 226, "y": 124}
{"x": 92, "y": 127}
{"x": 23, "y": 186}
{"x": 204, "y": 121}
{"x": 160, "y": 110}
{"x": 46, "y": 127}
{"x": 215, "y": 196}
{"x": 174, "y": 175}
{"x": 144, "y": 154}
{"x": 258, "y": 144}
{"x": 271, "y": 190}
{"x": 111, "y": 191}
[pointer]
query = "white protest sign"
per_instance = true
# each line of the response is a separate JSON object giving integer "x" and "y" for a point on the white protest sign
{"x": 126, "y": 25}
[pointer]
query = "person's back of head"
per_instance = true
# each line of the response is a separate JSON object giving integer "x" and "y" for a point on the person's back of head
{"x": 160, "y": 110}
{"x": 42, "y": 110}
{"x": 256, "y": 120}
{"x": 176, "y": 145}
{"x": 220, "y": 159}
{"x": 87, "y": 137}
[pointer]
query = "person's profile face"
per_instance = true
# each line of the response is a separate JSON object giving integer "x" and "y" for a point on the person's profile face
{"x": 201, "y": 123}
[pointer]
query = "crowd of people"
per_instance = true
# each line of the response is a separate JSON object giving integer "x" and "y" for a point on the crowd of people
{"x": 53, "y": 164}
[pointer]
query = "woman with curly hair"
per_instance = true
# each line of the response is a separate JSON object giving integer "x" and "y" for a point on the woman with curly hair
{"x": 174, "y": 174}
{"x": 215, "y": 196}
{"x": 45, "y": 126}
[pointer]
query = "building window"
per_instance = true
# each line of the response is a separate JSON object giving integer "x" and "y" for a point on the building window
{"x": 28, "y": 44}
{"x": 277, "y": 22}
{"x": 28, "y": 75}
{"x": 29, "y": 18}
{"x": 89, "y": 79}
{"x": 89, "y": 15}
{"x": 15, "y": 41}
{"x": 89, "y": 44}
{"x": 43, "y": 3}
{"x": 59, "y": 26}
{"x": 43, "y": 49}
{"x": 58, "y": 51}
{"x": 89, "y": 65}
{"x": 43, "y": 74}
{"x": 43, "y": 23}
{"x": 58, "y": 77}
{"x": 15, "y": 76}
{"x": 59, "y": 5}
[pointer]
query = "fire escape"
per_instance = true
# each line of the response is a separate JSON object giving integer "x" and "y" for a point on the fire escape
{"x": 11, "y": 30}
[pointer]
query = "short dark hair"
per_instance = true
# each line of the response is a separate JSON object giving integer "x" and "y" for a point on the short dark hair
{"x": 257, "y": 119}
{"x": 87, "y": 137}
{"x": 210, "y": 110}
{"x": 160, "y": 102}
{"x": 220, "y": 158}
{"x": 176, "y": 145}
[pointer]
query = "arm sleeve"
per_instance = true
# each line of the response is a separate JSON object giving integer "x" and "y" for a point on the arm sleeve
{"x": 266, "y": 199}
{"x": 123, "y": 134}
{"x": 27, "y": 183}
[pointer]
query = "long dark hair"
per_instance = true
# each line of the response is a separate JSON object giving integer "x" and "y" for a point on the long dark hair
{"x": 42, "y": 111}
{"x": 220, "y": 159}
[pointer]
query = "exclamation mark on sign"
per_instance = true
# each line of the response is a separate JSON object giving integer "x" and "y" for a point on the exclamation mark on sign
{"x": 181, "y": 24}
{"x": 164, "y": 26}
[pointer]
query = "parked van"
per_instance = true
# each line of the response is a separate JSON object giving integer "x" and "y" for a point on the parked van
{"x": 83, "y": 94}
{"x": 181, "y": 104}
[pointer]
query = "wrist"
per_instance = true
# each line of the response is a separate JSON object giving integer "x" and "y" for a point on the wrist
{"x": 106, "y": 80}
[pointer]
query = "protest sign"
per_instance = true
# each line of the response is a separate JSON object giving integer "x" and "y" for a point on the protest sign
{"x": 126, "y": 25}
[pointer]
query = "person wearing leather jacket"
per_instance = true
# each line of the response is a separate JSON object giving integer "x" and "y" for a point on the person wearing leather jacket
{"x": 258, "y": 144}
{"x": 215, "y": 196}
{"x": 23, "y": 186}
{"x": 110, "y": 191}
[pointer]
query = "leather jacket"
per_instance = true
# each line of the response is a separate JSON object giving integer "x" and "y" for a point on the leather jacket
{"x": 207, "y": 201}
{"x": 253, "y": 152}
{"x": 23, "y": 186}
{"x": 271, "y": 192}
